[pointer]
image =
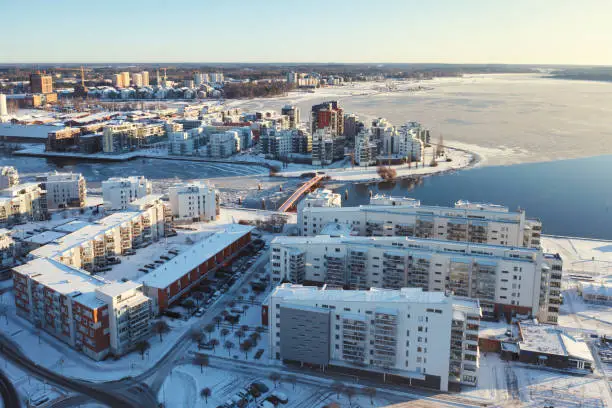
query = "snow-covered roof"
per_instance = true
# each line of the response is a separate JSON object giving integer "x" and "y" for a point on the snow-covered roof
{"x": 71, "y": 226}
{"x": 169, "y": 272}
{"x": 551, "y": 340}
{"x": 44, "y": 237}
{"x": 84, "y": 234}
{"x": 64, "y": 279}
{"x": 27, "y": 131}
{"x": 404, "y": 295}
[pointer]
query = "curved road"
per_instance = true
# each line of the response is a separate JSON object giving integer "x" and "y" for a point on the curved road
{"x": 8, "y": 392}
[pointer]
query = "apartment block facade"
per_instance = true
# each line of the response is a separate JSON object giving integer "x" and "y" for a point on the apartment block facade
{"x": 424, "y": 338}
{"x": 506, "y": 280}
{"x": 94, "y": 316}
{"x": 9, "y": 177}
{"x": 22, "y": 202}
{"x": 194, "y": 202}
{"x": 64, "y": 189}
{"x": 119, "y": 192}
{"x": 470, "y": 222}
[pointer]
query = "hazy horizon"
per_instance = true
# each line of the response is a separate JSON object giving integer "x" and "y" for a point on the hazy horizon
{"x": 522, "y": 32}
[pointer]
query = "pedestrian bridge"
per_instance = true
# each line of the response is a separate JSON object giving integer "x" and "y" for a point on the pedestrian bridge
{"x": 303, "y": 189}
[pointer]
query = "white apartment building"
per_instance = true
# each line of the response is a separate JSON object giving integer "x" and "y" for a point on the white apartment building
{"x": 420, "y": 338}
{"x": 409, "y": 145}
{"x": 366, "y": 150}
{"x": 137, "y": 79}
{"x": 322, "y": 147}
{"x": 320, "y": 197}
{"x": 472, "y": 222}
{"x": 118, "y": 192}
{"x": 222, "y": 145}
{"x": 216, "y": 77}
{"x": 145, "y": 78}
{"x": 125, "y": 137}
{"x": 3, "y": 106}
{"x": 64, "y": 189}
{"x": 9, "y": 177}
{"x": 7, "y": 249}
{"x": 21, "y": 202}
{"x": 194, "y": 202}
{"x": 505, "y": 279}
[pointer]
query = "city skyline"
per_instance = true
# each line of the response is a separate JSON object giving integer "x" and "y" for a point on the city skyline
{"x": 393, "y": 31}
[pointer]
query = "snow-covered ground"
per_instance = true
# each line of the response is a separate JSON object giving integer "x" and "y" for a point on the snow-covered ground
{"x": 582, "y": 255}
{"x": 519, "y": 385}
{"x": 459, "y": 159}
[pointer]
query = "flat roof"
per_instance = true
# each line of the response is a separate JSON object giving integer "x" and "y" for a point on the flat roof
{"x": 71, "y": 226}
{"x": 64, "y": 279}
{"x": 551, "y": 340}
{"x": 172, "y": 270}
{"x": 84, "y": 234}
{"x": 291, "y": 292}
{"x": 45, "y": 237}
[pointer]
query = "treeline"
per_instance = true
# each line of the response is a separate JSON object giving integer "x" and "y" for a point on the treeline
{"x": 261, "y": 90}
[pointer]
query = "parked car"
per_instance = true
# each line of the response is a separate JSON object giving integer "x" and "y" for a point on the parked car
{"x": 200, "y": 312}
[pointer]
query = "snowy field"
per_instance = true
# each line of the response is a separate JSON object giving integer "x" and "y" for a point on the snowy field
{"x": 582, "y": 256}
{"x": 512, "y": 384}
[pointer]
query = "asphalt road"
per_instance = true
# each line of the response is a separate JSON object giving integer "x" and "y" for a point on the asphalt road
{"x": 8, "y": 392}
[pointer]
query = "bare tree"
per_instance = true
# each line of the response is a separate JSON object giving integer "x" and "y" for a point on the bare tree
{"x": 209, "y": 328}
{"x": 228, "y": 346}
{"x": 160, "y": 327}
{"x": 196, "y": 335}
{"x": 142, "y": 347}
{"x": 201, "y": 360}
{"x": 246, "y": 346}
{"x": 205, "y": 393}
{"x": 224, "y": 332}
{"x": 292, "y": 379}
{"x": 218, "y": 320}
{"x": 214, "y": 343}
{"x": 274, "y": 377}
{"x": 350, "y": 393}
{"x": 198, "y": 296}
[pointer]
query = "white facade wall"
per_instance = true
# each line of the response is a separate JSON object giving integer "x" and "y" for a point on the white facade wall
{"x": 486, "y": 224}
{"x": 420, "y": 336}
{"x": 9, "y": 177}
{"x": 319, "y": 198}
{"x": 503, "y": 278}
{"x": 224, "y": 144}
{"x": 118, "y": 192}
{"x": 65, "y": 189}
{"x": 193, "y": 201}
{"x": 3, "y": 106}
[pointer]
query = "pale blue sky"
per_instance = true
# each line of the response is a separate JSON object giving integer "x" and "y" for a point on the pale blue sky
{"x": 453, "y": 31}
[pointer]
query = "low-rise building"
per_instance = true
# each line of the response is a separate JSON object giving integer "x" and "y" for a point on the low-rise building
{"x": 194, "y": 202}
{"x": 506, "y": 280}
{"x": 419, "y": 338}
{"x": 64, "y": 189}
{"x": 118, "y": 192}
{"x": 171, "y": 280}
{"x": 553, "y": 347}
{"x": 598, "y": 293}
{"x": 319, "y": 198}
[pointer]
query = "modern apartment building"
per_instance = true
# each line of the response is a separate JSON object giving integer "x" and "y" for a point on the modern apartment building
{"x": 145, "y": 78}
{"x": 7, "y": 250}
{"x": 505, "y": 279}
{"x": 3, "y": 107}
{"x": 137, "y": 79}
{"x": 9, "y": 177}
{"x": 327, "y": 115}
{"x": 22, "y": 202}
{"x": 320, "y": 198}
{"x": 41, "y": 83}
{"x": 118, "y": 192}
{"x": 279, "y": 144}
{"x": 293, "y": 113}
{"x": 92, "y": 315}
{"x": 125, "y": 137}
{"x": 222, "y": 145}
{"x": 471, "y": 222}
{"x": 427, "y": 339}
{"x": 94, "y": 246}
{"x": 64, "y": 189}
{"x": 194, "y": 202}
